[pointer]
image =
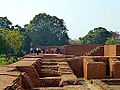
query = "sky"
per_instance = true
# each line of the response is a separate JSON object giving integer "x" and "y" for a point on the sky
{"x": 80, "y": 16}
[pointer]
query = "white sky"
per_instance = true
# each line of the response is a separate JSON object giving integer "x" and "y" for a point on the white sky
{"x": 80, "y": 16}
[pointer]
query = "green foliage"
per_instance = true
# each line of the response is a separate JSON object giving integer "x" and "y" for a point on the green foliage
{"x": 2, "y": 55}
{"x": 14, "y": 39}
{"x": 11, "y": 60}
{"x": 97, "y": 36}
{"x": 47, "y": 30}
{"x": 10, "y": 40}
{"x": 5, "y": 23}
{"x": 2, "y": 61}
{"x": 112, "y": 40}
{"x": 4, "y": 47}
{"x": 74, "y": 42}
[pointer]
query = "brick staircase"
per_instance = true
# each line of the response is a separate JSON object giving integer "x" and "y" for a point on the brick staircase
{"x": 97, "y": 51}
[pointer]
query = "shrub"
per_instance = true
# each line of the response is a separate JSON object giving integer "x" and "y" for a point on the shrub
{"x": 2, "y": 55}
{"x": 12, "y": 60}
{"x": 2, "y": 61}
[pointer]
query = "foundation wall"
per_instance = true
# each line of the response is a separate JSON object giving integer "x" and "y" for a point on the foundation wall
{"x": 109, "y": 50}
{"x": 76, "y": 65}
{"x": 114, "y": 68}
{"x": 118, "y": 50}
{"x": 94, "y": 70}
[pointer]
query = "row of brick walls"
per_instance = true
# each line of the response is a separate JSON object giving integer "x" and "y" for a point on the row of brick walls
{"x": 76, "y": 49}
{"x": 59, "y": 71}
{"x": 88, "y": 50}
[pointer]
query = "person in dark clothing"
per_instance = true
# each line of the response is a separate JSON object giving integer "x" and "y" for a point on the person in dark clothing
{"x": 31, "y": 50}
{"x": 37, "y": 51}
{"x": 34, "y": 50}
{"x": 57, "y": 51}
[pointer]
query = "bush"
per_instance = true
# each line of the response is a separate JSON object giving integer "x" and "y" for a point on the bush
{"x": 11, "y": 60}
{"x": 2, "y": 61}
{"x": 2, "y": 55}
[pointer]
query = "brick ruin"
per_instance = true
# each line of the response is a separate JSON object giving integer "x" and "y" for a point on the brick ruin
{"x": 79, "y": 67}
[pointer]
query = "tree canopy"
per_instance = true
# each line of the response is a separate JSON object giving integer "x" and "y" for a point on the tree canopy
{"x": 47, "y": 30}
{"x": 98, "y": 36}
{"x": 5, "y": 23}
{"x": 10, "y": 39}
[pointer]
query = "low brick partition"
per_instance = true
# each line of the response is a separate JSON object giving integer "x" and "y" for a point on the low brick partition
{"x": 68, "y": 79}
{"x": 76, "y": 64}
{"x": 33, "y": 56}
{"x": 114, "y": 68}
{"x": 64, "y": 68}
{"x": 50, "y": 56}
{"x": 30, "y": 59}
{"x": 94, "y": 70}
{"x": 49, "y": 81}
{"x": 67, "y": 75}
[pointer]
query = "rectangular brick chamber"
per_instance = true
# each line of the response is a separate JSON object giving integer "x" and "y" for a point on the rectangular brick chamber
{"x": 94, "y": 70}
{"x": 114, "y": 67}
{"x": 76, "y": 64}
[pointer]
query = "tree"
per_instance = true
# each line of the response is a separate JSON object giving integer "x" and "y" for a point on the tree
{"x": 11, "y": 38}
{"x": 47, "y": 30}
{"x": 5, "y": 23}
{"x": 112, "y": 40}
{"x": 4, "y": 47}
{"x": 14, "y": 39}
{"x": 97, "y": 36}
{"x": 74, "y": 42}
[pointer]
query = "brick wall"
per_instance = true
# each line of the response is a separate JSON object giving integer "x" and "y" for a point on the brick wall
{"x": 94, "y": 70}
{"x": 109, "y": 50}
{"x": 118, "y": 50}
{"x": 79, "y": 49}
{"x": 114, "y": 68}
{"x": 76, "y": 65}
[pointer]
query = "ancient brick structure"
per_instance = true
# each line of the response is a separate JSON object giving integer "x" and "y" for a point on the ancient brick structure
{"x": 114, "y": 68}
{"x": 94, "y": 70}
{"x": 111, "y": 50}
{"x": 65, "y": 72}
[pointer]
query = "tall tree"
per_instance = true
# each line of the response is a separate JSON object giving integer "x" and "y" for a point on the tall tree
{"x": 74, "y": 42}
{"x": 112, "y": 40}
{"x": 5, "y": 23}
{"x": 11, "y": 38}
{"x": 97, "y": 36}
{"x": 14, "y": 39}
{"x": 47, "y": 30}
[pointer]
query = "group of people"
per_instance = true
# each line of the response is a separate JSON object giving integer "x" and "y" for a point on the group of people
{"x": 35, "y": 50}
{"x": 43, "y": 51}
